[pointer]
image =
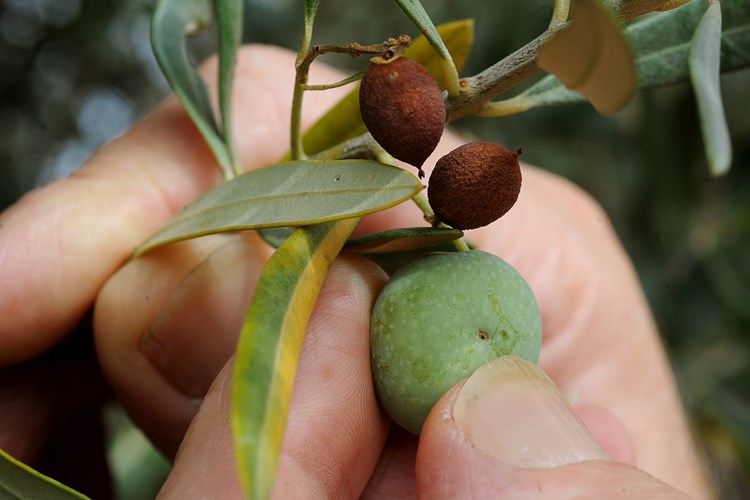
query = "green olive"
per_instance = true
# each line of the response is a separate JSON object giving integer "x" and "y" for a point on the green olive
{"x": 440, "y": 318}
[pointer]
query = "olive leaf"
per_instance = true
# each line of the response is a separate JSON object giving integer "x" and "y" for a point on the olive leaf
{"x": 343, "y": 120}
{"x": 661, "y": 44}
{"x": 592, "y": 57}
{"x": 393, "y": 249}
{"x": 290, "y": 194}
{"x": 458, "y": 37}
{"x": 172, "y": 22}
{"x": 705, "y": 54}
{"x": 546, "y": 92}
{"x": 18, "y": 481}
{"x": 275, "y": 236}
{"x": 311, "y": 8}
{"x": 735, "y": 37}
{"x": 392, "y": 240}
{"x": 229, "y": 22}
{"x": 269, "y": 347}
{"x": 417, "y": 14}
{"x": 402, "y": 239}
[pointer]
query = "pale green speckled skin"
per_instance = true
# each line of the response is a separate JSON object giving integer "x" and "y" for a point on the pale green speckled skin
{"x": 428, "y": 325}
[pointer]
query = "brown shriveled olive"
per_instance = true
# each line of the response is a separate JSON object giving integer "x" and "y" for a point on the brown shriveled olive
{"x": 474, "y": 185}
{"x": 402, "y": 107}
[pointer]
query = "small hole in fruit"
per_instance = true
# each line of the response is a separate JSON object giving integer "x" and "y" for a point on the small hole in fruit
{"x": 483, "y": 336}
{"x": 337, "y": 178}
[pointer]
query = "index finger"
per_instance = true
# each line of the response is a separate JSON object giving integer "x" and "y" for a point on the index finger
{"x": 60, "y": 243}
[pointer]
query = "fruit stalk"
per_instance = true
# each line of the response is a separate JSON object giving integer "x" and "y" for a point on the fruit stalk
{"x": 403, "y": 108}
{"x": 305, "y": 58}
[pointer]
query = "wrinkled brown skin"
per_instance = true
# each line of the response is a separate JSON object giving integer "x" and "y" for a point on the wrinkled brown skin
{"x": 474, "y": 185}
{"x": 402, "y": 107}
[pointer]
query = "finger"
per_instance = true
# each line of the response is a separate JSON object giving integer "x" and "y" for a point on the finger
{"x": 394, "y": 477}
{"x": 205, "y": 465}
{"x": 506, "y": 432}
{"x": 335, "y": 430}
{"x": 597, "y": 323}
{"x": 600, "y": 345}
{"x": 75, "y": 232}
{"x": 166, "y": 323}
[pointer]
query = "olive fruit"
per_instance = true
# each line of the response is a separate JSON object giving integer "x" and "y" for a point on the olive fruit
{"x": 438, "y": 319}
{"x": 402, "y": 107}
{"x": 474, "y": 185}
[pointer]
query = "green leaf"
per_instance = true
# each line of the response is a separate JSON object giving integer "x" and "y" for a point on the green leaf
{"x": 275, "y": 236}
{"x": 311, "y": 8}
{"x": 392, "y": 240}
{"x": 344, "y": 121}
{"x": 592, "y": 57}
{"x": 391, "y": 262}
{"x": 229, "y": 22}
{"x": 18, "y": 481}
{"x": 417, "y": 14}
{"x": 735, "y": 38}
{"x": 546, "y": 92}
{"x": 268, "y": 352}
{"x": 704, "y": 71}
{"x": 661, "y": 43}
{"x": 290, "y": 194}
{"x": 402, "y": 239}
{"x": 171, "y": 23}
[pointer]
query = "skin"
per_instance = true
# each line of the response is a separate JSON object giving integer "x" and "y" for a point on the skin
{"x": 165, "y": 325}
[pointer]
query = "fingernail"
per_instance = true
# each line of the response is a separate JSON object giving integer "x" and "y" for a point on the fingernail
{"x": 509, "y": 409}
{"x": 196, "y": 331}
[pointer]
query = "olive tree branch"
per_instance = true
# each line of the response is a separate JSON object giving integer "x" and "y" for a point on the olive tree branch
{"x": 505, "y": 74}
{"x": 476, "y": 92}
{"x": 387, "y": 48}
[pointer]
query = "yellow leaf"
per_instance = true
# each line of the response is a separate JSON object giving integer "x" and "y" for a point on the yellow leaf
{"x": 268, "y": 351}
{"x": 458, "y": 36}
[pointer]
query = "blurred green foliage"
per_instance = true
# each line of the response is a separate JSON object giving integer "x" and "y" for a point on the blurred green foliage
{"x": 75, "y": 73}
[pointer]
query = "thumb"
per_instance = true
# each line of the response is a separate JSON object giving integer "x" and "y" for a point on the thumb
{"x": 507, "y": 432}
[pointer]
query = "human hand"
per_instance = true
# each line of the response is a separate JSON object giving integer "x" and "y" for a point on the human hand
{"x": 167, "y": 324}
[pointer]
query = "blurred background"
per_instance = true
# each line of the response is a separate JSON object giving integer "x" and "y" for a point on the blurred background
{"x": 76, "y": 73}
